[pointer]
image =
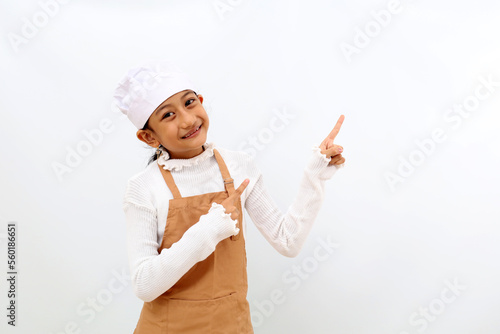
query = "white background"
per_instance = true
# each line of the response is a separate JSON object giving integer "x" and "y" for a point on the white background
{"x": 397, "y": 246}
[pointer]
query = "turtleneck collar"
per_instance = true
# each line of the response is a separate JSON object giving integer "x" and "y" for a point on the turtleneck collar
{"x": 177, "y": 164}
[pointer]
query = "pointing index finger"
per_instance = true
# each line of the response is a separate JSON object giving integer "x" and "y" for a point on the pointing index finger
{"x": 241, "y": 188}
{"x": 336, "y": 128}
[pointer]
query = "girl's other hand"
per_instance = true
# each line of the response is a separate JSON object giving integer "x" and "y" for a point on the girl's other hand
{"x": 330, "y": 149}
{"x": 230, "y": 203}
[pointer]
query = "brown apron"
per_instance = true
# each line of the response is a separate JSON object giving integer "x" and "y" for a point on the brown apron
{"x": 211, "y": 297}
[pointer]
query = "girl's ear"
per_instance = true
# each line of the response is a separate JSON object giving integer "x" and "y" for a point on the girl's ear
{"x": 200, "y": 97}
{"x": 147, "y": 137}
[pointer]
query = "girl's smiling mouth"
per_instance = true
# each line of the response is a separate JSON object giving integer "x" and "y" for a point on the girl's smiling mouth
{"x": 193, "y": 132}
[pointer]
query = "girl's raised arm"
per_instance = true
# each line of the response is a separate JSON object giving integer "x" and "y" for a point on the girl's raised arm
{"x": 287, "y": 232}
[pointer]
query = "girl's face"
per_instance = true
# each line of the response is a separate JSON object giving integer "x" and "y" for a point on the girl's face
{"x": 179, "y": 115}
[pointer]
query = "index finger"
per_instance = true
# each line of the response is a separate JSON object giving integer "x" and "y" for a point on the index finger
{"x": 241, "y": 188}
{"x": 336, "y": 128}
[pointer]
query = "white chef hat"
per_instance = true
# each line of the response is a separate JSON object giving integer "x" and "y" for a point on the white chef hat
{"x": 146, "y": 86}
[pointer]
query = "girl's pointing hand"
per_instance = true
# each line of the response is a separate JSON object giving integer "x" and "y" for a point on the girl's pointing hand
{"x": 330, "y": 149}
{"x": 230, "y": 203}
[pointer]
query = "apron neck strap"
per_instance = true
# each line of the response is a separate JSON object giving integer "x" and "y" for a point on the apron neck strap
{"x": 167, "y": 176}
{"x": 226, "y": 177}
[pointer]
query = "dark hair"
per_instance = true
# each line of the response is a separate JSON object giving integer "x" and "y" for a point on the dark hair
{"x": 146, "y": 126}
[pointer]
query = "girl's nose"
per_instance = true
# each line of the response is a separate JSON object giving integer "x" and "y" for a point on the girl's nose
{"x": 187, "y": 119}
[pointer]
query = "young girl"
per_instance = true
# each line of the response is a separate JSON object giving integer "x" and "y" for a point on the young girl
{"x": 185, "y": 228}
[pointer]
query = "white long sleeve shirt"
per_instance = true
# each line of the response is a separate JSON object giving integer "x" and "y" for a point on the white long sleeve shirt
{"x": 146, "y": 201}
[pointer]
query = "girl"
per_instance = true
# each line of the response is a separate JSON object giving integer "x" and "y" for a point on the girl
{"x": 185, "y": 228}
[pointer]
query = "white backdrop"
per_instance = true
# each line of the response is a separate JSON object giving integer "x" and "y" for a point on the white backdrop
{"x": 408, "y": 232}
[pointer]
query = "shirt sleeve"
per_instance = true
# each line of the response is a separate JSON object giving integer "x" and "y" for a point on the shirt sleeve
{"x": 151, "y": 273}
{"x": 287, "y": 232}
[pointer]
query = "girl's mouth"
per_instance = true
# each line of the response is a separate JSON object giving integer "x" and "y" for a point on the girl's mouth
{"x": 193, "y": 134}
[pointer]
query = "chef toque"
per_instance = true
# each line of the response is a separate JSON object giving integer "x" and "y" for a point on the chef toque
{"x": 148, "y": 85}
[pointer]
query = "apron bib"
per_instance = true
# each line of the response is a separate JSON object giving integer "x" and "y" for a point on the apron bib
{"x": 211, "y": 297}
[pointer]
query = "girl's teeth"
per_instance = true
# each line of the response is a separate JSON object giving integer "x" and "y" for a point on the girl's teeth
{"x": 192, "y": 133}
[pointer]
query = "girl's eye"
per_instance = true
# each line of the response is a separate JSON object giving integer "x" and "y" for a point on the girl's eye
{"x": 165, "y": 116}
{"x": 187, "y": 102}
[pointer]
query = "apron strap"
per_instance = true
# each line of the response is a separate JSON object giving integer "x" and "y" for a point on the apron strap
{"x": 229, "y": 185}
{"x": 170, "y": 182}
{"x": 226, "y": 177}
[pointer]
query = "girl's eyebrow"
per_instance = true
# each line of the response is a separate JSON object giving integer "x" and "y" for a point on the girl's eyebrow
{"x": 168, "y": 104}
